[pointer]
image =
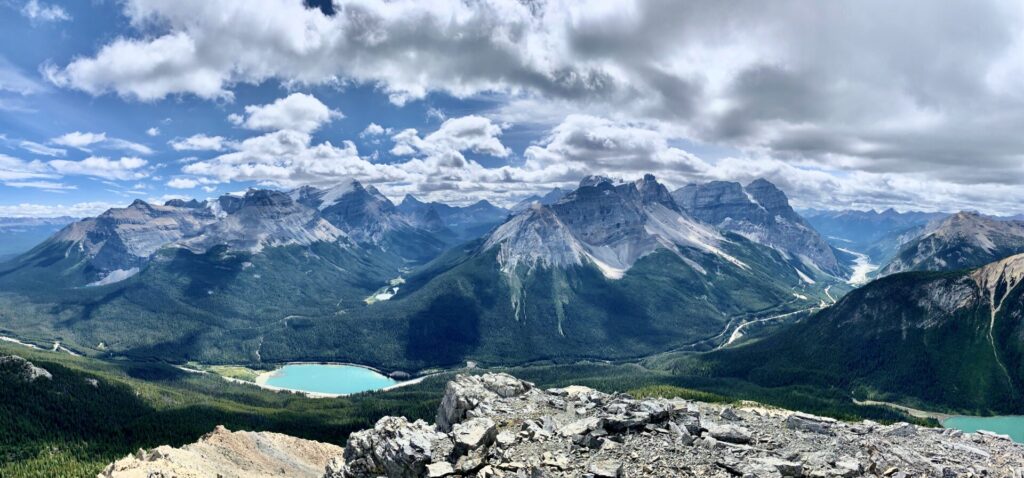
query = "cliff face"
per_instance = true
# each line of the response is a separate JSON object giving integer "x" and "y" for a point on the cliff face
{"x": 495, "y": 425}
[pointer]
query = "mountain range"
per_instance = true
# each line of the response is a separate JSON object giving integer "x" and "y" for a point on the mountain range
{"x": 19, "y": 234}
{"x": 879, "y": 235}
{"x": 464, "y": 223}
{"x": 611, "y": 269}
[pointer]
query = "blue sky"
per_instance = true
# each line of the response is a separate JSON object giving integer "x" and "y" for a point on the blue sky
{"x": 497, "y": 100}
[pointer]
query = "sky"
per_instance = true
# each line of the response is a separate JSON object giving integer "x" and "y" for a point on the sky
{"x": 916, "y": 105}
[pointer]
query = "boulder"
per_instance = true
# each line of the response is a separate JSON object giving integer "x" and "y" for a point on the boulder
{"x": 605, "y": 469}
{"x": 472, "y": 434}
{"x": 394, "y": 447}
{"x": 730, "y": 433}
{"x": 809, "y": 423}
{"x": 466, "y": 392}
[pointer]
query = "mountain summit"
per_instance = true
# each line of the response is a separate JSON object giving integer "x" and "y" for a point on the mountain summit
{"x": 760, "y": 212}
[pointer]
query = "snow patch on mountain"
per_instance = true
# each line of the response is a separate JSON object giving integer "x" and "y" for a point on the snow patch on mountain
{"x": 115, "y": 276}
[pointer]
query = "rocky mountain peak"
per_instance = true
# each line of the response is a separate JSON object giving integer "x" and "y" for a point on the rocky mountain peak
{"x": 595, "y": 180}
{"x": 605, "y": 224}
{"x": 760, "y": 212}
{"x": 410, "y": 201}
{"x": 266, "y": 198}
{"x": 190, "y": 204}
{"x": 961, "y": 241}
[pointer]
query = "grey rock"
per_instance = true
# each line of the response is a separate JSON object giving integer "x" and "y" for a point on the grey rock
{"x": 466, "y": 392}
{"x": 393, "y": 447}
{"x": 474, "y": 433}
{"x": 605, "y": 469}
{"x": 809, "y": 423}
{"x": 730, "y": 433}
{"x": 437, "y": 470}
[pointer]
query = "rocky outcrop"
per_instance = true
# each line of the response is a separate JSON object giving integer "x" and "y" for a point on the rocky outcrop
{"x": 23, "y": 369}
{"x": 496, "y": 425}
{"x": 499, "y": 426}
{"x": 227, "y": 454}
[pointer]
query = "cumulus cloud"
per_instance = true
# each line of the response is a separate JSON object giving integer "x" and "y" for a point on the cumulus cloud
{"x": 80, "y": 140}
{"x": 154, "y": 131}
{"x": 199, "y": 142}
{"x": 297, "y": 111}
{"x": 372, "y": 129}
{"x": 183, "y": 183}
{"x": 824, "y": 86}
{"x": 37, "y": 11}
{"x": 126, "y": 168}
{"x": 468, "y": 133}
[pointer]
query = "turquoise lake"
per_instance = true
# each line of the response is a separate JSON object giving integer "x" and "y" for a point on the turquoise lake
{"x": 325, "y": 378}
{"x": 1009, "y": 425}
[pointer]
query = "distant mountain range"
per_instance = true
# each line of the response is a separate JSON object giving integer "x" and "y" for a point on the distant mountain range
{"x": 464, "y": 222}
{"x": 877, "y": 234}
{"x": 19, "y": 234}
{"x": 612, "y": 269}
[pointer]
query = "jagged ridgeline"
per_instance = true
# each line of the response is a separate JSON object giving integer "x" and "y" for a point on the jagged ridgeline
{"x": 609, "y": 270}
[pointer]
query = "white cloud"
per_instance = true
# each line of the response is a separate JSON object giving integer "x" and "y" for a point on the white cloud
{"x": 823, "y": 87}
{"x": 372, "y": 129}
{"x": 45, "y": 185}
{"x": 297, "y": 111}
{"x": 199, "y": 142}
{"x": 125, "y": 145}
{"x": 182, "y": 183}
{"x": 14, "y": 169}
{"x": 126, "y": 168}
{"x": 154, "y": 131}
{"x": 467, "y": 133}
{"x": 41, "y": 149}
{"x": 13, "y": 80}
{"x": 191, "y": 183}
{"x": 80, "y": 140}
{"x": 37, "y": 11}
{"x": 85, "y": 141}
{"x": 82, "y": 209}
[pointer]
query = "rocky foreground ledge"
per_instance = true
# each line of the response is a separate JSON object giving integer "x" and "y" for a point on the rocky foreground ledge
{"x": 495, "y": 425}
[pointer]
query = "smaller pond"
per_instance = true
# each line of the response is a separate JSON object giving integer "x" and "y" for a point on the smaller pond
{"x": 326, "y": 378}
{"x": 1007, "y": 425}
